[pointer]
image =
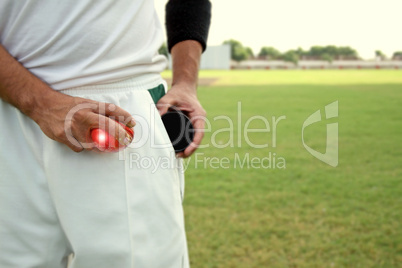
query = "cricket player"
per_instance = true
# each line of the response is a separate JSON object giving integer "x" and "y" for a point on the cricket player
{"x": 66, "y": 68}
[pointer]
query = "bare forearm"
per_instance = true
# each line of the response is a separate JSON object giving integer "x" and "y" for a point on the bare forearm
{"x": 186, "y": 60}
{"x": 49, "y": 108}
{"x": 183, "y": 94}
{"x": 20, "y": 87}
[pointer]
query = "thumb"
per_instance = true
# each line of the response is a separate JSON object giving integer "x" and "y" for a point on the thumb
{"x": 164, "y": 104}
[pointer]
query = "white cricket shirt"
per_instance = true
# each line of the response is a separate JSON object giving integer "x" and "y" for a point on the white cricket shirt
{"x": 75, "y": 43}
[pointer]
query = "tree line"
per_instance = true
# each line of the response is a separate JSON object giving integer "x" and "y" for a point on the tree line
{"x": 327, "y": 53}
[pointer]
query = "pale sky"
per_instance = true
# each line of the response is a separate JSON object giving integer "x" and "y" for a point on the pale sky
{"x": 365, "y": 25}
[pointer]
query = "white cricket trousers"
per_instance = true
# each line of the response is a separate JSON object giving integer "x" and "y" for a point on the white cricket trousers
{"x": 109, "y": 210}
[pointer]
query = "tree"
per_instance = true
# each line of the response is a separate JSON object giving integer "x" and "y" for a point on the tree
{"x": 237, "y": 51}
{"x": 379, "y": 55}
{"x": 397, "y": 55}
{"x": 250, "y": 53}
{"x": 331, "y": 52}
{"x": 348, "y": 53}
{"x": 291, "y": 56}
{"x": 327, "y": 57}
{"x": 270, "y": 53}
{"x": 327, "y": 53}
{"x": 300, "y": 52}
{"x": 163, "y": 50}
{"x": 315, "y": 52}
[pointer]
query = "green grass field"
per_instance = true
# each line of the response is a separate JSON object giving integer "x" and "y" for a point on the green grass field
{"x": 309, "y": 214}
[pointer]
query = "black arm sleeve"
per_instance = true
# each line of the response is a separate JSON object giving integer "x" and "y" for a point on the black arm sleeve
{"x": 187, "y": 20}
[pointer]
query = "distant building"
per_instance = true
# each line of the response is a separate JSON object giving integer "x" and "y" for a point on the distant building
{"x": 397, "y": 57}
{"x": 213, "y": 58}
{"x": 216, "y": 58}
{"x": 317, "y": 64}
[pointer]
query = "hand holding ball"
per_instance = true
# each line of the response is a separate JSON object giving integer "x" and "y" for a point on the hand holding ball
{"x": 107, "y": 143}
{"x": 179, "y": 128}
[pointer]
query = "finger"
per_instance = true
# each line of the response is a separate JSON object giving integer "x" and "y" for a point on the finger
{"x": 82, "y": 132}
{"x": 71, "y": 136}
{"x": 115, "y": 129}
{"x": 180, "y": 155}
{"x": 75, "y": 146}
{"x": 120, "y": 133}
{"x": 199, "y": 125}
{"x": 116, "y": 113}
{"x": 78, "y": 137}
{"x": 164, "y": 104}
{"x": 189, "y": 150}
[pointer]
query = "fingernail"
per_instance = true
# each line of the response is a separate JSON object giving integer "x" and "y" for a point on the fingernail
{"x": 132, "y": 123}
{"x": 127, "y": 140}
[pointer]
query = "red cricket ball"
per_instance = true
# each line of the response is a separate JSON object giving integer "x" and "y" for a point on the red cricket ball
{"x": 106, "y": 142}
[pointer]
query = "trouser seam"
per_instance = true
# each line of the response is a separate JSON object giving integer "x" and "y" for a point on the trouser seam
{"x": 52, "y": 200}
{"x": 129, "y": 222}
